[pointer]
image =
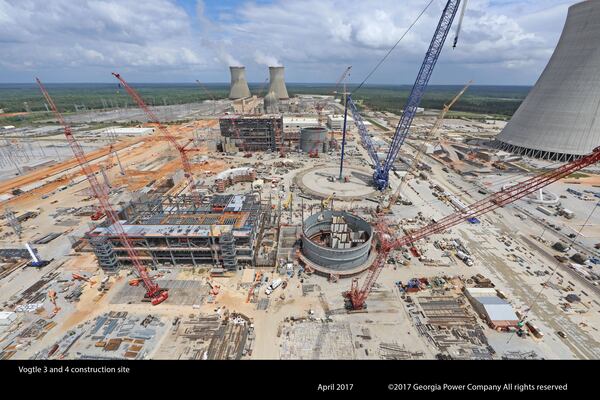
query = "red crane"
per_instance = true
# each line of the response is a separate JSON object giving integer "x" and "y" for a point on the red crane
{"x": 153, "y": 291}
{"x": 185, "y": 161}
{"x": 387, "y": 243}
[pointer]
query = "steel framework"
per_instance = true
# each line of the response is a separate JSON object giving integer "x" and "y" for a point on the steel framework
{"x": 153, "y": 291}
{"x": 382, "y": 170}
{"x": 387, "y": 243}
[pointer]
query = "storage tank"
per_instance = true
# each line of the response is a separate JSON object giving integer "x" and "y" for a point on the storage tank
{"x": 313, "y": 137}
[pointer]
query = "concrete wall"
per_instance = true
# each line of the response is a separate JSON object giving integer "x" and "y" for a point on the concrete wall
{"x": 561, "y": 113}
{"x": 339, "y": 259}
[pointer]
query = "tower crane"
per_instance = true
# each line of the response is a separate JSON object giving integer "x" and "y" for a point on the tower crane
{"x": 210, "y": 94}
{"x": 382, "y": 169}
{"x": 356, "y": 296}
{"x": 185, "y": 161}
{"x": 156, "y": 294}
{"x": 341, "y": 79}
{"x": 421, "y": 150}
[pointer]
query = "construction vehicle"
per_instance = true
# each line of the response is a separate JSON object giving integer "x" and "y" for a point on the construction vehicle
{"x": 35, "y": 261}
{"x": 78, "y": 277}
{"x": 182, "y": 149}
{"x": 99, "y": 214}
{"x": 387, "y": 242}
{"x": 288, "y": 202}
{"x": 274, "y": 285}
{"x": 382, "y": 169}
{"x": 52, "y": 298}
{"x": 256, "y": 282}
{"x": 328, "y": 200}
{"x": 154, "y": 293}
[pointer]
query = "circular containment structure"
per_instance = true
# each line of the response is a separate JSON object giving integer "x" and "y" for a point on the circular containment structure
{"x": 337, "y": 243}
{"x": 313, "y": 137}
{"x": 322, "y": 180}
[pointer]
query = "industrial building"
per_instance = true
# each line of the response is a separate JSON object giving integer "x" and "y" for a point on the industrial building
{"x": 497, "y": 312}
{"x": 222, "y": 232}
{"x": 559, "y": 119}
{"x": 253, "y": 133}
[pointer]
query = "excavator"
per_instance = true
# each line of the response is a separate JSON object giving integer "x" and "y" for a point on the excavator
{"x": 288, "y": 202}
{"x": 328, "y": 200}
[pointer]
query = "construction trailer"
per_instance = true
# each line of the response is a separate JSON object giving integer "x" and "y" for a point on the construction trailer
{"x": 169, "y": 231}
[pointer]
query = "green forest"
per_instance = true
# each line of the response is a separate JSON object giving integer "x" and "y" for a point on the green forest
{"x": 499, "y": 101}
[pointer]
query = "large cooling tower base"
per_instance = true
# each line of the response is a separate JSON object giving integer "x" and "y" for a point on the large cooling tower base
{"x": 534, "y": 153}
{"x": 318, "y": 183}
{"x": 560, "y": 119}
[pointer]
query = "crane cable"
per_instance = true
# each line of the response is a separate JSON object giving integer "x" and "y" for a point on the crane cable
{"x": 460, "y": 20}
{"x": 391, "y": 49}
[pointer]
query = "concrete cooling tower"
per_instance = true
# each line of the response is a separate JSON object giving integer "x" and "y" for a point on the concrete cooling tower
{"x": 239, "y": 86}
{"x": 277, "y": 83}
{"x": 560, "y": 118}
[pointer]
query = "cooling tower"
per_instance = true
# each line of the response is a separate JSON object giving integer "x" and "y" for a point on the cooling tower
{"x": 560, "y": 118}
{"x": 239, "y": 86}
{"x": 277, "y": 83}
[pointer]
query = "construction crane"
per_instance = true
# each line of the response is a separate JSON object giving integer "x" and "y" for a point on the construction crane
{"x": 210, "y": 94}
{"x": 185, "y": 161}
{"x": 326, "y": 202}
{"x": 156, "y": 294}
{"x": 431, "y": 134}
{"x": 356, "y": 297}
{"x": 341, "y": 79}
{"x": 382, "y": 169}
{"x": 288, "y": 202}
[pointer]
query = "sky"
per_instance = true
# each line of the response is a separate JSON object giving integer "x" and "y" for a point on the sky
{"x": 502, "y": 42}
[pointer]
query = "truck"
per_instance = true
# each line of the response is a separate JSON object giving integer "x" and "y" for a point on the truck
{"x": 274, "y": 285}
{"x": 544, "y": 210}
{"x": 465, "y": 258}
{"x": 568, "y": 214}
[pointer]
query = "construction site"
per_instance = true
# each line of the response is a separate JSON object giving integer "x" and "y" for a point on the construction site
{"x": 281, "y": 226}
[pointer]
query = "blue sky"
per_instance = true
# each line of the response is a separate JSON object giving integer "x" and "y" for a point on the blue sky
{"x": 503, "y": 41}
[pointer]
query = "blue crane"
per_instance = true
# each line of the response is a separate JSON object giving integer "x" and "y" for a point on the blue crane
{"x": 382, "y": 170}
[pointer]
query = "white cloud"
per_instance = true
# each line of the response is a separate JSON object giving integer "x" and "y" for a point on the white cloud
{"x": 314, "y": 39}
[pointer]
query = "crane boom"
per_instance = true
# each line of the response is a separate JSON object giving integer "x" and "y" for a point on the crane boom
{"x": 381, "y": 175}
{"x": 342, "y": 77}
{"x": 357, "y": 297}
{"x": 153, "y": 291}
{"x": 430, "y": 134}
{"x": 185, "y": 161}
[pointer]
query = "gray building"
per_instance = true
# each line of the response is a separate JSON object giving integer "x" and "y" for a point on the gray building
{"x": 560, "y": 118}
{"x": 222, "y": 232}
